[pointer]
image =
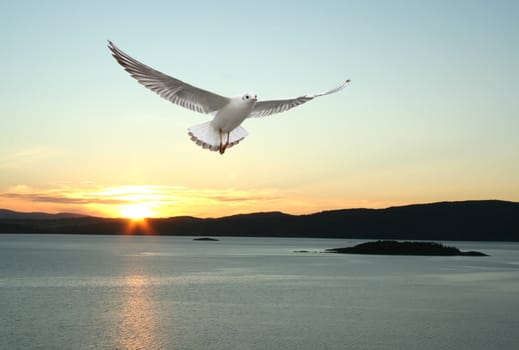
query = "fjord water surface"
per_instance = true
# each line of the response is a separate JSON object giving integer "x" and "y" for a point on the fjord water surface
{"x": 134, "y": 292}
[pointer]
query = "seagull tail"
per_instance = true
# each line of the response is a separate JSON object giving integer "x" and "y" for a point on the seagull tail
{"x": 207, "y": 137}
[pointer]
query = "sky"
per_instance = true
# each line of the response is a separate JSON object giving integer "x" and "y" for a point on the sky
{"x": 431, "y": 114}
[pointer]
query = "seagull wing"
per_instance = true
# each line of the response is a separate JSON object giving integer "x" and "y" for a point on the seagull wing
{"x": 174, "y": 90}
{"x": 269, "y": 107}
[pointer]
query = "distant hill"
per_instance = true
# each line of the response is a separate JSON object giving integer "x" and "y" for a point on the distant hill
{"x": 10, "y": 214}
{"x": 488, "y": 220}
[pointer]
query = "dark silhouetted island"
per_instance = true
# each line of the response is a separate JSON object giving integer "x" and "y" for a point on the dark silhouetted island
{"x": 403, "y": 248}
{"x": 206, "y": 239}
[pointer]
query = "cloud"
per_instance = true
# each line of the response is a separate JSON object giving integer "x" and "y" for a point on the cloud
{"x": 36, "y": 197}
{"x": 162, "y": 198}
{"x": 94, "y": 199}
{"x": 230, "y": 198}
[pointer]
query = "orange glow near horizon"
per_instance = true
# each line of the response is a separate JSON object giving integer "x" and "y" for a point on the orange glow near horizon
{"x": 138, "y": 226}
{"x": 137, "y": 202}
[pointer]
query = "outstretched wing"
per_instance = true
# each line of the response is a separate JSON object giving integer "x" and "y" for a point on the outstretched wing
{"x": 269, "y": 107}
{"x": 174, "y": 90}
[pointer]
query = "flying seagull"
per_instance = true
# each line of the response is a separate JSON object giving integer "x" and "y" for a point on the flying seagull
{"x": 224, "y": 130}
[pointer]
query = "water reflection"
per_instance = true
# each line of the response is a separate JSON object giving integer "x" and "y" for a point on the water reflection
{"x": 137, "y": 323}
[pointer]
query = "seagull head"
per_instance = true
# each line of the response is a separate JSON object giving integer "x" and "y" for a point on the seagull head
{"x": 249, "y": 97}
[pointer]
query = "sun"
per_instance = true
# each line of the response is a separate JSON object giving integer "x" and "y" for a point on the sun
{"x": 136, "y": 211}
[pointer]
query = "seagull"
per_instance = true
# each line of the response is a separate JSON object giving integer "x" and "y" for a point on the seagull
{"x": 224, "y": 130}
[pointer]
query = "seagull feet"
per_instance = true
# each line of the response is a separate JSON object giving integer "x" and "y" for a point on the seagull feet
{"x": 221, "y": 149}
{"x": 222, "y": 146}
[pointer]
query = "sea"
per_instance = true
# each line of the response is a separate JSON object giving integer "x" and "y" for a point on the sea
{"x": 150, "y": 292}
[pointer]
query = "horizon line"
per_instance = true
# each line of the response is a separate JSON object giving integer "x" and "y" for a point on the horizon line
{"x": 259, "y": 212}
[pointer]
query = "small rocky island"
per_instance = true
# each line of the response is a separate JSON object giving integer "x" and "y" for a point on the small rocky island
{"x": 206, "y": 239}
{"x": 403, "y": 248}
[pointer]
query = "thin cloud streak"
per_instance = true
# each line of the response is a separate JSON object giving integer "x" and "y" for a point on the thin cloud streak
{"x": 244, "y": 198}
{"x": 35, "y": 197}
{"x": 26, "y": 157}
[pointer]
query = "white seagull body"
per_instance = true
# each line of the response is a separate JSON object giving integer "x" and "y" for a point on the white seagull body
{"x": 224, "y": 130}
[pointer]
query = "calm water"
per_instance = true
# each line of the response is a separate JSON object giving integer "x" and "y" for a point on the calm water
{"x": 105, "y": 292}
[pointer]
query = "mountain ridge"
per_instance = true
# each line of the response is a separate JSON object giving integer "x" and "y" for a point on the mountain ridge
{"x": 35, "y": 215}
{"x": 485, "y": 220}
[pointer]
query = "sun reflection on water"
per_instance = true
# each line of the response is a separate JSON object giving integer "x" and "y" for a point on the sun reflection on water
{"x": 137, "y": 327}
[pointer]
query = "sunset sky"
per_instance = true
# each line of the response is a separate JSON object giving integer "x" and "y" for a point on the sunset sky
{"x": 432, "y": 112}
